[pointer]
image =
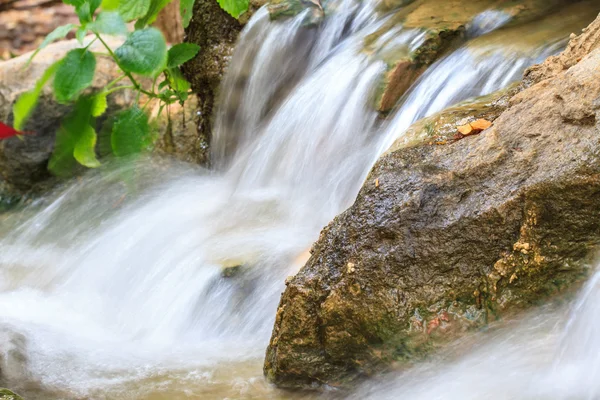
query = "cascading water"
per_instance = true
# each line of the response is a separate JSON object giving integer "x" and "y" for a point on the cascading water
{"x": 116, "y": 288}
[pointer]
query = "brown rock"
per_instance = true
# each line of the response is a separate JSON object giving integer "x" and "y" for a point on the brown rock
{"x": 578, "y": 47}
{"x": 452, "y": 238}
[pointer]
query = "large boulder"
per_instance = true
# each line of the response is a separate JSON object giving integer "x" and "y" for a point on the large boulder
{"x": 446, "y": 238}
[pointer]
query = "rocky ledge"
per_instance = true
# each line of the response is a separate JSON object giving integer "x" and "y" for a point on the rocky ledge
{"x": 446, "y": 238}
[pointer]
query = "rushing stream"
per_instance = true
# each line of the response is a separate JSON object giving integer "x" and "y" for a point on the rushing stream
{"x": 118, "y": 286}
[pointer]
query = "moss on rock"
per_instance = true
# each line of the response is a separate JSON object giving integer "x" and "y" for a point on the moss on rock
{"x": 6, "y": 394}
{"x": 215, "y": 32}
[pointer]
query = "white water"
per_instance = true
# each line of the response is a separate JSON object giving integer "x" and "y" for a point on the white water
{"x": 116, "y": 284}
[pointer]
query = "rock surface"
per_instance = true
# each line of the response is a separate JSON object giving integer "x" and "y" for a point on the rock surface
{"x": 215, "y": 32}
{"x": 443, "y": 239}
{"x": 445, "y": 25}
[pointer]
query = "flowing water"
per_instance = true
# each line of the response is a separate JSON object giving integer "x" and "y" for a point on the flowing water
{"x": 151, "y": 280}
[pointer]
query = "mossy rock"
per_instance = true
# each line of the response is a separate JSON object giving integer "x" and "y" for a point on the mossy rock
{"x": 6, "y": 394}
{"x": 441, "y": 128}
{"x": 279, "y": 9}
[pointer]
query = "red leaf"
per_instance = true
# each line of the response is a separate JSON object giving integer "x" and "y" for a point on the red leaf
{"x": 7, "y": 132}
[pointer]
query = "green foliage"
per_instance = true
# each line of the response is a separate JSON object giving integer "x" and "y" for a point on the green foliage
{"x": 25, "y": 105}
{"x": 155, "y": 7}
{"x": 133, "y": 9}
{"x": 75, "y": 73}
{"x": 234, "y": 7}
{"x": 75, "y": 133}
{"x": 186, "y": 8}
{"x": 58, "y": 33}
{"x": 144, "y": 52}
{"x": 100, "y": 104}
{"x": 85, "y": 148}
{"x": 181, "y": 53}
{"x": 109, "y": 23}
{"x": 110, "y": 5}
{"x": 130, "y": 133}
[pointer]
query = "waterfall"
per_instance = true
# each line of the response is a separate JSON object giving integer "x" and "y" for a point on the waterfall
{"x": 118, "y": 283}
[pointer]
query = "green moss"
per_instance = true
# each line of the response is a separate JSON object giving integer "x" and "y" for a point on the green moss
{"x": 6, "y": 394}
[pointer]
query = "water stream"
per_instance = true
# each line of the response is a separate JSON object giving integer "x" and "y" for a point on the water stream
{"x": 118, "y": 286}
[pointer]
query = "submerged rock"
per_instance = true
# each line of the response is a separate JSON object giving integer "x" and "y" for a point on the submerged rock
{"x": 443, "y": 239}
{"x": 13, "y": 359}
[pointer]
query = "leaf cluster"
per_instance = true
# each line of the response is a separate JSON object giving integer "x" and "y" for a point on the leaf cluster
{"x": 144, "y": 53}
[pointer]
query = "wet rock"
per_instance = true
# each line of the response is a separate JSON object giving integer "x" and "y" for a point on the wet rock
{"x": 444, "y": 25}
{"x": 215, "y": 32}
{"x": 279, "y": 9}
{"x": 13, "y": 359}
{"x": 444, "y": 239}
{"x": 441, "y": 128}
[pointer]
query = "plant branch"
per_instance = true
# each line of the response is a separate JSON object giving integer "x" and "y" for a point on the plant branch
{"x": 109, "y": 91}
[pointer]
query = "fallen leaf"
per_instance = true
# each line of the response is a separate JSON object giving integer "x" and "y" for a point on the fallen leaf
{"x": 474, "y": 127}
{"x": 465, "y": 130}
{"x": 481, "y": 125}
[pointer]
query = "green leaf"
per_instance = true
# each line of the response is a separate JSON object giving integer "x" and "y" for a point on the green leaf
{"x": 109, "y": 23}
{"x": 99, "y": 104}
{"x": 27, "y": 102}
{"x": 234, "y": 7}
{"x": 131, "y": 132}
{"x": 80, "y": 34}
{"x": 75, "y": 3}
{"x": 180, "y": 53}
{"x": 85, "y": 12}
{"x": 109, "y": 5}
{"x": 186, "y": 8}
{"x": 177, "y": 82}
{"x": 74, "y": 74}
{"x": 155, "y": 7}
{"x": 133, "y": 9}
{"x": 144, "y": 52}
{"x": 94, "y": 5}
{"x": 56, "y": 34}
{"x": 85, "y": 148}
{"x": 75, "y": 126}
